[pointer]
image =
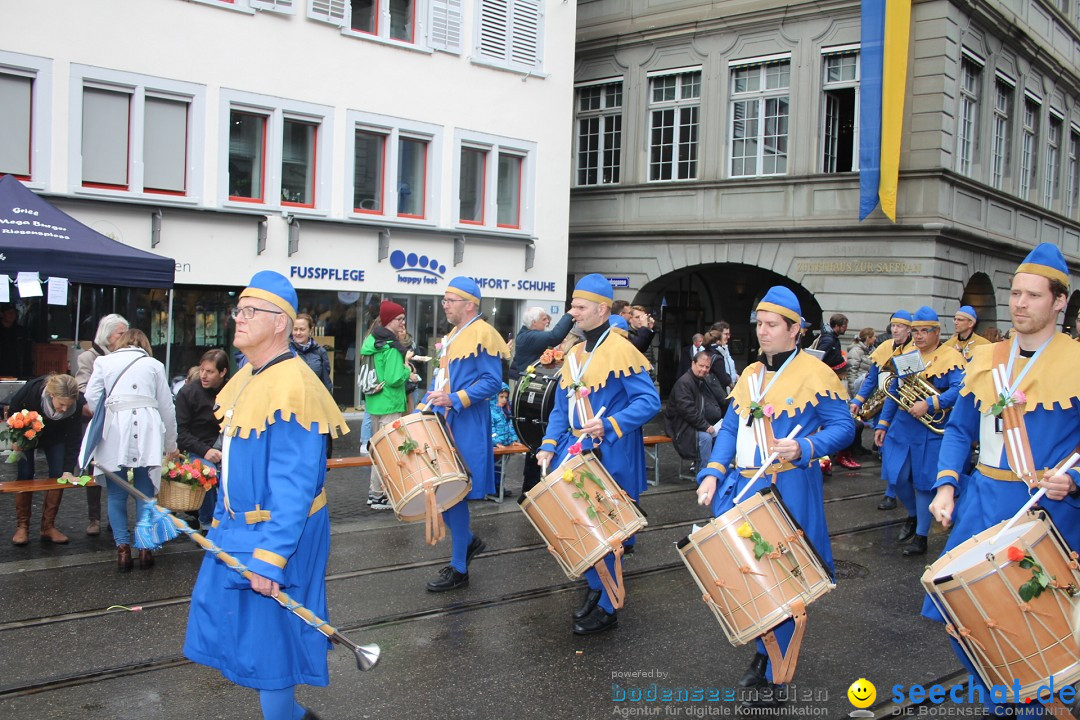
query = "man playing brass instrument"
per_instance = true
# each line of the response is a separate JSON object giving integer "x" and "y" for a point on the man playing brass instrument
{"x": 909, "y": 442}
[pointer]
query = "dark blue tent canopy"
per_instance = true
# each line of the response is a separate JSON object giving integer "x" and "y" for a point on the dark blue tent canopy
{"x": 36, "y": 237}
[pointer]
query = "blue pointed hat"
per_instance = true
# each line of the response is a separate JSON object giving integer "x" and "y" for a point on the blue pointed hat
{"x": 465, "y": 287}
{"x": 594, "y": 287}
{"x": 782, "y": 301}
{"x": 1046, "y": 260}
{"x": 968, "y": 312}
{"x": 619, "y": 325}
{"x": 901, "y": 317}
{"x": 274, "y": 288}
{"x": 925, "y": 317}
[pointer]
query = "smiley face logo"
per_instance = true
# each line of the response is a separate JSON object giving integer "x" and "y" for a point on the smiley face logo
{"x": 862, "y": 693}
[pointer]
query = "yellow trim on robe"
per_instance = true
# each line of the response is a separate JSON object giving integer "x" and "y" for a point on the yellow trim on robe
{"x": 804, "y": 381}
{"x": 949, "y": 473}
{"x": 884, "y": 352}
{"x": 717, "y": 466}
{"x": 270, "y": 558}
{"x": 1005, "y": 474}
{"x": 477, "y": 337}
{"x": 976, "y": 340}
{"x": 318, "y": 503}
{"x": 774, "y": 468}
{"x": 214, "y": 523}
{"x": 941, "y": 360}
{"x": 1053, "y": 382}
{"x": 256, "y": 516}
{"x": 464, "y": 398}
{"x": 614, "y": 356}
{"x": 289, "y": 388}
{"x": 615, "y": 426}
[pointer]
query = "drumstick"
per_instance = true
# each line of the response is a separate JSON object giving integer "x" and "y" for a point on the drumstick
{"x": 1064, "y": 468}
{"x": 765, "y": 466}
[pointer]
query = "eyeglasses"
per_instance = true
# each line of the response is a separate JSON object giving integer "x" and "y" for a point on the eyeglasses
{"x": 248, "y": 311}
{"x": 448, "y": 301}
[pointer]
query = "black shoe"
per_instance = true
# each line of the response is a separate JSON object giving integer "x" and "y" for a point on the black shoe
{"x": 596, "y": 621}
{"x": 592, "y": 597}
{"x": 449, "y": 579}
{"x": 908, "y": 531}
{"x": 916, "y": 547}
{"x": 755, "y": 674}
{"x": 628, "y": 550}
{"x": 474, "y": 547}
{"x": 887, "y": 503}
{"x": 309, "y": 714}
{"x": 765, "y": 695}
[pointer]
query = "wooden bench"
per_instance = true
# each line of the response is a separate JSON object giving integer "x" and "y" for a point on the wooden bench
{"x": 38, "y": 485}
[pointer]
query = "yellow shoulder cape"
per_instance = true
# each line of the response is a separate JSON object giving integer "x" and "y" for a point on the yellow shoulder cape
{"x": 1053, "y": 381}
{"x": 941, "y": 361}
{"x": 478, "y": 338}
{"x": 883, "y": 353}
{"x": 289, "y": 388}
{"x": 616, "y": 357}
{"x": 803, "y": 383}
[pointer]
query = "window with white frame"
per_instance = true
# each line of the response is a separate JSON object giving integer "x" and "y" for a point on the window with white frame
{"x": 759, "y": 117}
{"x": 508, "y": 188}
{"x": 473, "y": 164}
{"x": 840, "y": 108}
{"x": 412, "y": 176}
{"x": 494, "y": 182}
{"x": 510, "y": 34}
{"x": 1072, "y": 178}
{"x": 1053, "y": 158}
{"x": 968, "y": 115}
{"x": 276, "y": 150}
{"x": 444, "y": 27}
{"x": 599, "y": 133}
{"x": 674, "y": 117}
{"x": 389, "y": 166}
{"x": 386, "y": 19}
{"x": 1029, "y": 148}
{"x": 369, "y": 163}
{"x": 16, "y": 114}
{"x": 1001, "y": 132}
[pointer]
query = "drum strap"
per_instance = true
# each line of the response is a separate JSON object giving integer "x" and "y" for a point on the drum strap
{"x": 434, "y": 527}
{"x": 1012, "y": 417}
{"x": 783, "y": 665}
{"x": 615, "y": 589}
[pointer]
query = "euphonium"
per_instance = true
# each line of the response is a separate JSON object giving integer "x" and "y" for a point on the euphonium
{"x": 912, "y": 389}
{"x": 875, "y": 402}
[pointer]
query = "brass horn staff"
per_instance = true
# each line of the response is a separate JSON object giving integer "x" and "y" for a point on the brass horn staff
{"x": 912, "y": 389}
{"x": 876, "y": 401}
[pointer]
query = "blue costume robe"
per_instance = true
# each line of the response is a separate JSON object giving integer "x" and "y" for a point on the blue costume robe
{"x": 1052, "y": 418}
{"x": 807, "y": 393}
{"x": 271, "y": 515}
{"x": 880, "y": 358}
{"x": 617, "y": 378}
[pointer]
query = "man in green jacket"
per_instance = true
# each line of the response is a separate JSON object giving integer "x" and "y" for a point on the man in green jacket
{"x": 387, "y": 404}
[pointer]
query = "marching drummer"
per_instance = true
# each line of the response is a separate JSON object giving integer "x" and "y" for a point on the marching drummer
{"x": 1035, "y": 373}
{"x": 468, "y": 375}
{"x": 909, "y": 447}
{"x": 605, "y": 397}
{"x": 785, "y": 388}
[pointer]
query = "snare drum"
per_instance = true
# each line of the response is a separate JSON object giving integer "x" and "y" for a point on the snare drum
{"x": 976, "y": 588}
{"x": 421, "y": 470}
{"x": 533, "y": 401}
{"x": 584, "y": 518}
{"x": 750, "y": 595}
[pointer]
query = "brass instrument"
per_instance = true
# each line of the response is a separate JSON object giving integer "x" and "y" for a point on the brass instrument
{"x": 876, "y": 401}
{"x": 912, "y": 389}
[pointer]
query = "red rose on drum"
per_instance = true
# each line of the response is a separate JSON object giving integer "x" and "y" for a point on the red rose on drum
{"x": 575, "y": 449}
{"x": 1015, "y": 554}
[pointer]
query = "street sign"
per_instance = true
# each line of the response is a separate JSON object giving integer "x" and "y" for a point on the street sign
{"x": 619, "y": 282}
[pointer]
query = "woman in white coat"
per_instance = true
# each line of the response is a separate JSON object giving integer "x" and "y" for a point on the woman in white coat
{"x": 139, "y": 428}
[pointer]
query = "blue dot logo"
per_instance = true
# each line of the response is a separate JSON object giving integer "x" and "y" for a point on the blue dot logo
{"x": 442, "y": 269}
{"x": 434, "y": 264}
{"x": 411, "y": 260}
{"x": 423, "y": 261}
{"x": 397, "y": 259}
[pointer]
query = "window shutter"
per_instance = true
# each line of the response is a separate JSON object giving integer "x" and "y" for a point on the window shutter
{"x": 331, "y": 11}
{"x": 445, "y": 24}
{"x": 525, "y": 32}
{"x": 494, "y": 29}
{"x": 285, "y": 6}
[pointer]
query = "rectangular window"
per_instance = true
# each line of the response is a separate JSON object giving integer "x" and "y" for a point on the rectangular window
{"x": 968, "y": 117}
{"x": 674, "y": 106}
{"x": 1029, "y": 165}
{"x": 510, "y": 33}
{"x": 401, "y": 20}
{"x": 841, "y": 103}
{"x": 508, "y": 195}
{"x": 364, "y": 17}
{"x": 759, "y": 118}
{"x": 412, "y": 177}
{"x": 298, "y": 163}
{"x": 16, "y": 96}
{"x": 1002, "y": 131}
{"x": 105, "y": 132}
{"x": 165, "y": 150}
{"x": 1053, "y": 159}
{"x": 1072, "y": 191}
{"x": 471, "y": 186}
{"x": 599, "y": 134}
{"x": 369, "y": 155}
{"x": 247, "y": 148}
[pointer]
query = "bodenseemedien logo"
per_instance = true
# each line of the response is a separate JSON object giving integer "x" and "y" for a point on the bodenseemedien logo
{"x": 861, "y": 694}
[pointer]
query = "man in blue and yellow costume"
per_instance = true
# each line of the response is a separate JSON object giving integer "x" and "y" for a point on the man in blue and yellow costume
{"x": 966, "y": 339}
{"x": 881, "y": 361}
{"x": 1040, "y": 365}
{"x": 784, "y": 388}
{"x": 909, "y": 448}
{"x": 608, "y": 373}
{"x": 271, "y": 512}
{"x": 469, "y": 374}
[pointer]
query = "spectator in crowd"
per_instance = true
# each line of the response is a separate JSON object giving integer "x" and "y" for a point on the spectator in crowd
{"x": 198, "y": 432}
{"x": 829, "y": 343}
{"x": 315, "y": 355}
{"x": 697, "y": 345}
{"x": 723, "y": 349}
{"x": 57, "y": 400}
{"x": 622, "y": 308}
{"x": 109, "y": 330}
{"x": 694, "y": 411}
{"x": 719, "y": 358}
{"x": 807, "y": 337}
{"x": 502, "y": 429}
{"x": 858, "y": 359}
{"x": 534, "y": 338}
{"x": 641, "y": 328}
{"x": 14, "y": 345}
{"x": 139, "y": 428}
{"x": 992, "y": 334}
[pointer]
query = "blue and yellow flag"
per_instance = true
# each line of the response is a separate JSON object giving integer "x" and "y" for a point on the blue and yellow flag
{"x": 886, "y": 27}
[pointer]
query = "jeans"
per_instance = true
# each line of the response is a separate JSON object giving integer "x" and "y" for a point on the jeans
{"x": 54, "y": 456}
{"x": 365, "y": 429}
{"x": 704, "y": 444}
{"x": 206, "y": 510}
{"x": 118, "y": 502}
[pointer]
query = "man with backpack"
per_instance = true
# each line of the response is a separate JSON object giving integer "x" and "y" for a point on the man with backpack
{"x": 382, "y": 380}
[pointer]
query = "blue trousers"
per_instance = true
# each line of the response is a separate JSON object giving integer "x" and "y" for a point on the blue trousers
{"x": 281, "y": 704}
{"x": 457, "y": 520}
{"x": 118, "y": 502}
{"x": 54, "y": 456}
{"x": 917, "y": 502}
